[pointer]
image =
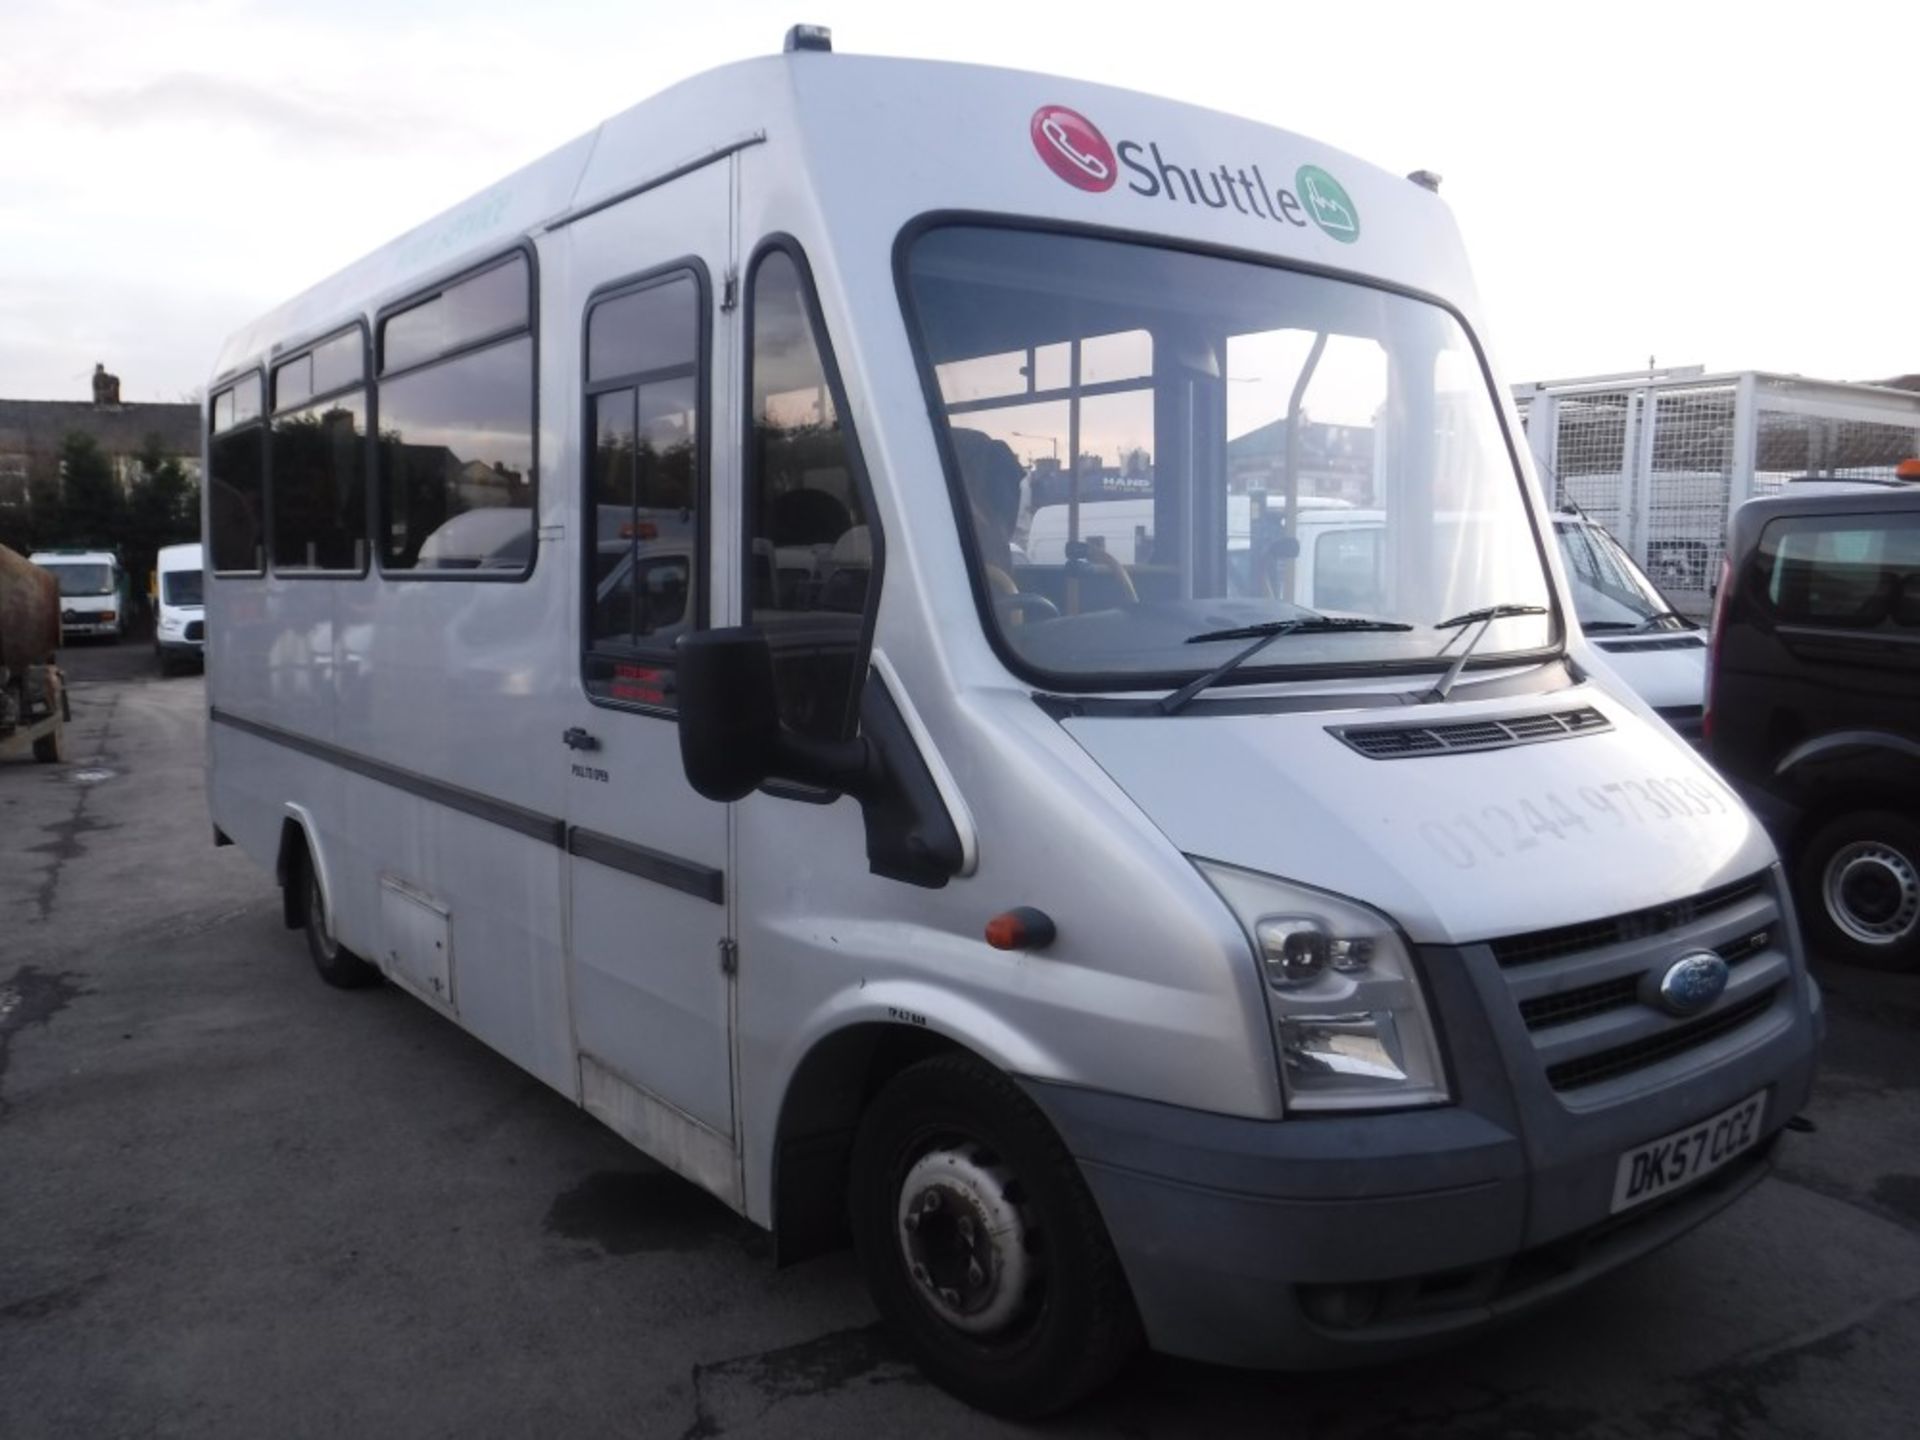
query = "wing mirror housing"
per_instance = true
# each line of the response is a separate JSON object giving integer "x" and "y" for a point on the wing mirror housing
{"x": 732, "y": 740}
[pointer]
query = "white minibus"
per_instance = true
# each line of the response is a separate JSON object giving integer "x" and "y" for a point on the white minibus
{"x": 1111, "y": 947}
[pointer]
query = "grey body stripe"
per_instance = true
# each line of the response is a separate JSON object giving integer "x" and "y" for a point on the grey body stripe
{"x": 684, "y": 875}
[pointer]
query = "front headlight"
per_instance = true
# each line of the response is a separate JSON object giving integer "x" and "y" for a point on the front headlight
{"x": 1351, "y": 1021}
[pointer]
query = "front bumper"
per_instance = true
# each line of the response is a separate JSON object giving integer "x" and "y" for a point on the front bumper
{"x": 182, "y": 649}
{"x": 89, "y": 627}
{"x": 1330, "y": 1241}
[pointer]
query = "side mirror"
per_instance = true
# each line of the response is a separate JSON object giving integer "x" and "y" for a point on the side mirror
{"x": 729, "y": 715}
{"x": 731, "y": 738}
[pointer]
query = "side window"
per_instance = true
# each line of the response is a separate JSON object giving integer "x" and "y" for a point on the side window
{"x": 645, "y": 486}
{"x": 236, "y": 490}
{"x": 811, "y": 551}
{"x": 317, "y": 454}
{"x": 456, "y": 483}
{"x": 1849, "y": 572}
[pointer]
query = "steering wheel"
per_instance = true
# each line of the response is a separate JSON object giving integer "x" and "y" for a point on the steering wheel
{"x": 1023, "y": 603}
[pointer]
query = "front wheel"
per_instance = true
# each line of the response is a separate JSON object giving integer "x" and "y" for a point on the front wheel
{"x": 338, "y": 965}
{"x": 981, "y": 1244}
{"x": 1859, "y": 884}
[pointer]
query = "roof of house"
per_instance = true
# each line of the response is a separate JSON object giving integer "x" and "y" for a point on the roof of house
{"x": 39, "y": 426}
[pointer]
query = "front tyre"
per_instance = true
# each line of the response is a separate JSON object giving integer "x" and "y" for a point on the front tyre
{"x": 981, "y": 1244}
{"x": 1859, "y": 890}
{"x": 338, "y": 965}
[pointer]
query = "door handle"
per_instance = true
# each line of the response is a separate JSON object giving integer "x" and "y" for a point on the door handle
{"x": 578, "y": 739}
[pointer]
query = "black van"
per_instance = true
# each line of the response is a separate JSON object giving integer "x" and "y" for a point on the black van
{"x": 1813, "y": 703}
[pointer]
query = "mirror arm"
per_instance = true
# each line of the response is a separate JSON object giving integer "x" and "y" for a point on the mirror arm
{"x": 853, "y": 767}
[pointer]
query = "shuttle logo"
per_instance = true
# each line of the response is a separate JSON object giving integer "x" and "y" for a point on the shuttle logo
{"x": 1073, "y": 148}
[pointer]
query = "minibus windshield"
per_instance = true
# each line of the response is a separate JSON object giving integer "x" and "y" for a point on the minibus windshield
{"x": 1147, "y": 445}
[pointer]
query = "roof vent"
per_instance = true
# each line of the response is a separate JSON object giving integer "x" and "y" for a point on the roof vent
{"x": 809, "y": 37}
{"x": 1426, "y": 180}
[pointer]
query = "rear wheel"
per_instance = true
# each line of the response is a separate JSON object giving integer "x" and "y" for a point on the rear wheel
{"x": 338, "y": 965}
{"x": 1859, "y": 884}
{"x": 981, "y": 1245}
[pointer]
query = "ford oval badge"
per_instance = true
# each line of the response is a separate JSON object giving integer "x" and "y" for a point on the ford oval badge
{"x": 1693, "y": 982}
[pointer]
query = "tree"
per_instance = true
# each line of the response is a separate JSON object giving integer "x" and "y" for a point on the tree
{"x": 163, "y": 508}
{"x": 91, "y": 509}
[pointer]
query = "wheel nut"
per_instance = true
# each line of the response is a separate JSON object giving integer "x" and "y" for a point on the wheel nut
{"x": 932, "y": 1202}
{"x": 912, "y": 1222}
{"x": 966, "y": 1228}
{"x": 952, "y": 1297}
{"x": 975, "y": 1275}
{"x": 920, "y": 1274}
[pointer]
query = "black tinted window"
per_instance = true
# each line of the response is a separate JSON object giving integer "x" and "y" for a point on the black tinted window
{"x": 644, "y": 488}
{"x": 1843, "y": 572}
{"x": 234, "y": 481}
{"x": 319, "y": 486}
{"x": 456, "y": 463}
{"x": 810, "y": 546}
{"x": 329, "y": 366}
{"x": 491, "y": 303}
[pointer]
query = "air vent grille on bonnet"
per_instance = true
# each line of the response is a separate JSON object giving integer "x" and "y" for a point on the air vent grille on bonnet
{"x": 1394, "y": 742}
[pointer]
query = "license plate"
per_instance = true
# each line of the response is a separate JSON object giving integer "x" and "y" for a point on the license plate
{"x": 1673, "y": 1160}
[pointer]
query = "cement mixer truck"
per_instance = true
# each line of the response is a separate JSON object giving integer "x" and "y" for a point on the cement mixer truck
{"x": 33, "y": 701}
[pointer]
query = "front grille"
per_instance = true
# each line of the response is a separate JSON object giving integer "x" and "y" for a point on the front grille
{"x": 1587, "y": 995}
{"x": 1394, "y": 742}
{"x": 1672, "y": 642}
{"x": 1571, "y": 1005}
{"x": 1566, "y": 1006}
{"x": 196, "y": 629}
{"x": 1543, "y": 945}
{"x": 1624, "y": 1059}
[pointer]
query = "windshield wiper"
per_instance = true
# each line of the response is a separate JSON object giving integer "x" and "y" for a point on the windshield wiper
{"x": 1263, "y": 636}
{"x": 1484, "y": 617}
{"x": 1610, "y": 625}
{"x": 1658, "y": 619}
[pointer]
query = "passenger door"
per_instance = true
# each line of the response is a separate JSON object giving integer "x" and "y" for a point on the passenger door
{"x": 652, "y": 988}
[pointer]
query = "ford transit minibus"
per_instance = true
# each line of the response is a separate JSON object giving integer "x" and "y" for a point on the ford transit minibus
{"x": 626, "y": 633}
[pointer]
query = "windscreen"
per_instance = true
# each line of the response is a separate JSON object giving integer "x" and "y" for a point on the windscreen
{"x": 81, "y": 580}
{"x": 1152, "y": 445}
{"x": 182, "y": 587}
{"x": 1610, "y": 592}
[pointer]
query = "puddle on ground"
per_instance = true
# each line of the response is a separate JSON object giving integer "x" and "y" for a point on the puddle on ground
{"x": 629, "y": 1212}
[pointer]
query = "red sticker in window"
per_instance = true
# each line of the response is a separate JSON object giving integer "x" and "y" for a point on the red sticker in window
{"x": 639, "y": 684}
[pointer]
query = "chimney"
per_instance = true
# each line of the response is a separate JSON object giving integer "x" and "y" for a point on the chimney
{"x": 106, "y": 388}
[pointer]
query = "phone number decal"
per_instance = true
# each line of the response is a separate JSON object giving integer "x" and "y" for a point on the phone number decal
{"x": 1501, "y": 832}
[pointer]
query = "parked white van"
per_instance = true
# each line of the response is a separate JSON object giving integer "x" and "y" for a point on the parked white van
{"x": 93, "y": 592}
{"x": 1111, "y": 953}
{"x": 179, "y": 616}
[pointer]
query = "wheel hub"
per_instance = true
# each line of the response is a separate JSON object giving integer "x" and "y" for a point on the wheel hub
{"x": 964, "y": 1241}
{"x": 1873, "y": 893}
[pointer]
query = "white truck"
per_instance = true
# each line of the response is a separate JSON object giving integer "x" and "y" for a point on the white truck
{"x": 93, "y": 592}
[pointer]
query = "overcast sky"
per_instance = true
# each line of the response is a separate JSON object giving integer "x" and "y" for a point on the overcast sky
{"x": 1732, "y": 185}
